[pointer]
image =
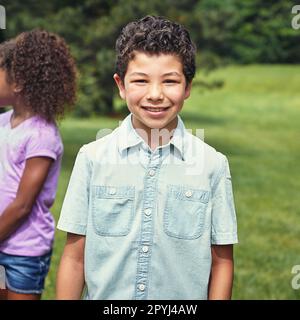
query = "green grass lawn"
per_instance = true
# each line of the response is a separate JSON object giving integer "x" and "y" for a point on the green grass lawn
{"x": 254, "y": 120}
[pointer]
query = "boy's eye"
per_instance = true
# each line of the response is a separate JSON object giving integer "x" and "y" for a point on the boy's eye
{"x": 171, "y": 81}
{"x": 139, "y": 81}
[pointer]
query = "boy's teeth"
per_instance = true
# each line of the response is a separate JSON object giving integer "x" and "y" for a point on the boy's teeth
{"x": 155, "y": 109}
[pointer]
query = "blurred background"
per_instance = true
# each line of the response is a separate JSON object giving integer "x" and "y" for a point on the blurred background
{"x": 245, "y": 96}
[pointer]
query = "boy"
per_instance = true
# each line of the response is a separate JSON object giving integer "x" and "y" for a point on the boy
{"x": 149, "y": 208}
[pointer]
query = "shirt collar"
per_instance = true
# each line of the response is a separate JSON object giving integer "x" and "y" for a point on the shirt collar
{"x": 128, "y": 137}
{"x": 178, "y": 137}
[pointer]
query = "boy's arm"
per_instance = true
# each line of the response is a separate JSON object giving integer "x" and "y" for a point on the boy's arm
{"x": 221, "y": 277}
{"x": 32, "y": 181}
{"x": 70, "y": 277}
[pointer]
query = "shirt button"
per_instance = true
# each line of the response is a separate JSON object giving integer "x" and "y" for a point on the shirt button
{"x": 189, "y": 193}
{"x": 112, "y": 191}
{"x": 145, "y": 249}
{"x": 151, "y": 173}
{"x": 148, "y": 212}
{"x": 141, "y": 287}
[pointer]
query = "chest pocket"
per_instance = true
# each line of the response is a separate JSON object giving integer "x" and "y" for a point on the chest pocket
{"x": 112, "y": 210}
{"x": 185, "y": 210}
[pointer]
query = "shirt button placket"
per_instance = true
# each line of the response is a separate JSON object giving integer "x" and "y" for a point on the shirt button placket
{"x": 144, "y": 256}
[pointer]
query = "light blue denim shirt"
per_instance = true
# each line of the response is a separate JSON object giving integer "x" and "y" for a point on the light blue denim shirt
{"x": 149, "y": 217}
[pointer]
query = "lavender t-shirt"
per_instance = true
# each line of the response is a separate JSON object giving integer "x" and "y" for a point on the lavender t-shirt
{"x": 34, "y": 137}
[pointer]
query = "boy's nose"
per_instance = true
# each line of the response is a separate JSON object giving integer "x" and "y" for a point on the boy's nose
{"x": 155, "y": 92}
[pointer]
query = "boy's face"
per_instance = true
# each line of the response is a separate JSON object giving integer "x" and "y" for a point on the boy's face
{"x": 155, "y": 89}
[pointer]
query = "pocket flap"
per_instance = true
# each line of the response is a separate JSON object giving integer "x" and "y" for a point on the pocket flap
{"x": 113, "y": 192}
{"x": 188, "y": 194}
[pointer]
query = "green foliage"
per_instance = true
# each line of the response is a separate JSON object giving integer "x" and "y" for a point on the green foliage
{"x": 249, "y": 31}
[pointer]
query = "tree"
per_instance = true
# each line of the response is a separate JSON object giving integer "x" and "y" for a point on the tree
{"x": 249, "y": 31}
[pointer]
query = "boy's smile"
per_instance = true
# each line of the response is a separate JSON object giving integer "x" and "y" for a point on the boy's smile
{"x": 154, "y": 88}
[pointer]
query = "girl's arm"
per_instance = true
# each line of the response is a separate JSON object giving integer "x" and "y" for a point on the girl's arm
{"x": 221, "y": 277}
{"x": 32, "y": 181}
{"x": 70, "y": 277}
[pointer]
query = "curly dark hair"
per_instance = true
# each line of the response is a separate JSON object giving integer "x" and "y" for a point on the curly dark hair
{"x": 40, "y": 63}
{"x": 155, "y": 35}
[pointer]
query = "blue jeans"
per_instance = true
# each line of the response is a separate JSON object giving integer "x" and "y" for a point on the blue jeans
{"x": 25, "y": 274}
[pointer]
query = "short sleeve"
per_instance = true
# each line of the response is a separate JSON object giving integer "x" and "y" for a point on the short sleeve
{"x": 224, "y": 223}
{"x": 45, "y": 142}
{"x": 74, "y": 213}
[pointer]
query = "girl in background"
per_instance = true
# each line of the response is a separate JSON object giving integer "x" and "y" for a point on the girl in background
{"x": 38, "y": 79}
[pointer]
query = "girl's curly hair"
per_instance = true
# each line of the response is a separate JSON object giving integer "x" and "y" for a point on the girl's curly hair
{"x": 155, "y": 35}
{"x": 40, "y": 63}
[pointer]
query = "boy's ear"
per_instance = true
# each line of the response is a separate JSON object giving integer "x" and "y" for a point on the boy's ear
{"x": 188, "y": 90}
{"x": 120, "y": 85}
